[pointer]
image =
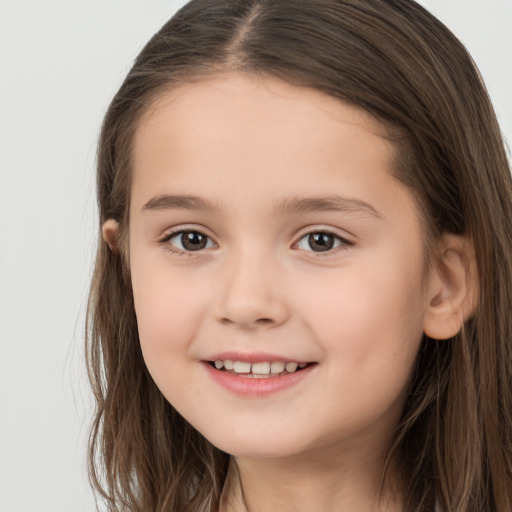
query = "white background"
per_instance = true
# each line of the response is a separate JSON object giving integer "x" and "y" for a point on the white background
{"x": 60, "y": 63}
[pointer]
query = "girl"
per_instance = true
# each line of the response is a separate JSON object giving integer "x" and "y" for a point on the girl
{"x": 302, "y": 293}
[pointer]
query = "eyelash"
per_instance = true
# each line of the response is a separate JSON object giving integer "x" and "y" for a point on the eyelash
{"x": 339, "y": 242}
{"x": 182, "y": 252}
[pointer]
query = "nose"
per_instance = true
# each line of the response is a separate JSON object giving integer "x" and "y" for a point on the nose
{"x": 252, "y": 294}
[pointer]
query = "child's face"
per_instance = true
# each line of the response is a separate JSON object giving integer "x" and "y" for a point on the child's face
{"x": 266, "y": 227}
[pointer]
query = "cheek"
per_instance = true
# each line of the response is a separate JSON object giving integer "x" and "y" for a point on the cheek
{"x": 370, "y": 328}
{"x": 371, "y": 317}
{"x": 168, "y": 309}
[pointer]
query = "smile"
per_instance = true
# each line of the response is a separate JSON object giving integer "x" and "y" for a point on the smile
{"x": 258, "y": 378}
{"x": 260, "y": 370}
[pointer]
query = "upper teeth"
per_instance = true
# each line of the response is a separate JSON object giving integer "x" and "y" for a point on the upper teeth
{"x": 263, "y": 368}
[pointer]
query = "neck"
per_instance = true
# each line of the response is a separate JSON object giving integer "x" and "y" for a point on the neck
{"x": 320, "y": 481}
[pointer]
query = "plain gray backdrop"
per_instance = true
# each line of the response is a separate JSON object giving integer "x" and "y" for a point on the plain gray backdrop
{"x": 60, "y": 63}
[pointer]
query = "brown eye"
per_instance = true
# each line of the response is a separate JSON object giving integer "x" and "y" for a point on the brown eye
{"x": 190, "y": 241}
{"x": 320, "y": 242}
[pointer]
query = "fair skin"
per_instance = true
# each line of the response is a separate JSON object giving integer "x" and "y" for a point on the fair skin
{"x": 298, "y": 245}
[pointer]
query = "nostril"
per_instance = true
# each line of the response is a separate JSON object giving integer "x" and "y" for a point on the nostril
{"x": 249, "y": 323}
{"x": 264, "y": 321}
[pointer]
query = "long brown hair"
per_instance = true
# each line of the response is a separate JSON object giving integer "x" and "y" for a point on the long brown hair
{"x": 400, "y": 64}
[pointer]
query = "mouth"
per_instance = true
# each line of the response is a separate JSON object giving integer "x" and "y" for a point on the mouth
{"x": 259, "y": 370}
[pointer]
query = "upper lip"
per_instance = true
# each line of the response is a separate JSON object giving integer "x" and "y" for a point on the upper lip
{"x": 254, "y": 357}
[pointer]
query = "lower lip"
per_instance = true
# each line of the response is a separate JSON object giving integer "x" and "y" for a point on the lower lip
{"x": 256, "y": 387}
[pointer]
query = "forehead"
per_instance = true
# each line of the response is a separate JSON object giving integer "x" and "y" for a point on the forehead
{"x": 233, "y": 124}
{"x": 248, "y": 91}
{"x": 258, "y": 98}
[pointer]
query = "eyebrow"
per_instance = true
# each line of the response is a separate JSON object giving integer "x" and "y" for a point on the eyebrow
{"x": 331, "y": 203}
{"x": 183, "y": 202}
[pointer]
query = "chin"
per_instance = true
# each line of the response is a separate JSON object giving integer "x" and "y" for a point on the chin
{"x": 261, "y": 444}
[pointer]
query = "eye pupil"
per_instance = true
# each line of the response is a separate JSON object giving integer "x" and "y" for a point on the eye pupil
{"x": 193, "y": 241}
{"x": 321, "y": 241}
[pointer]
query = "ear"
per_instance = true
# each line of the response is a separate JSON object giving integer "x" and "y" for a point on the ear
{"x": 452, "y": 288}
{"x": 110, "y": 232}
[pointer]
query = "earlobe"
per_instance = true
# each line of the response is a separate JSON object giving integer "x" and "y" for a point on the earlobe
{"x": 110, "y": 233}
{"x": 452, "y": 290}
